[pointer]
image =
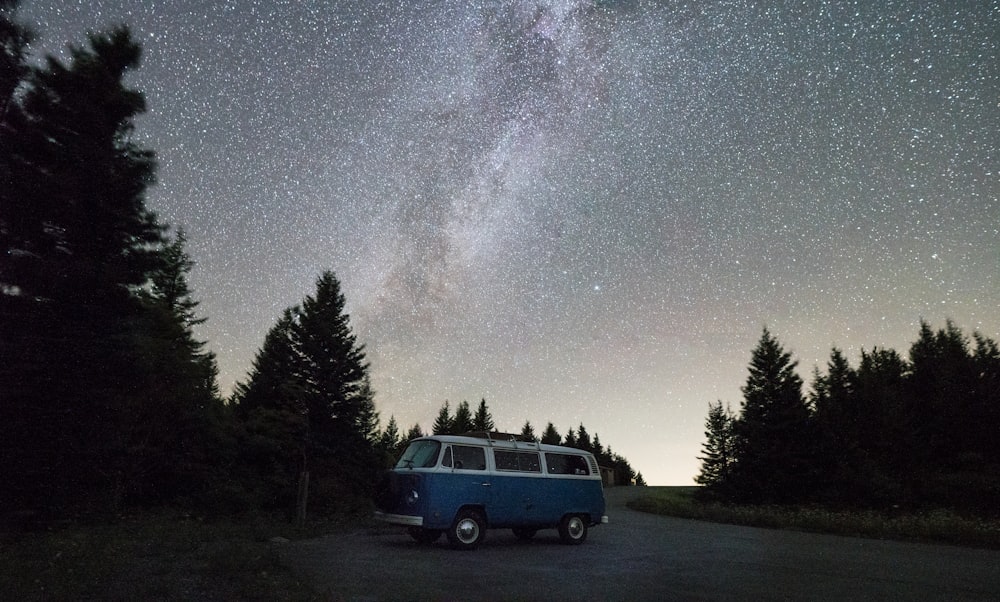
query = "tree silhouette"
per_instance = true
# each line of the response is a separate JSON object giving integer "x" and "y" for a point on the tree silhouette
{"x": 570, "y": 439}
{"x": 774, "y": 461}
{"x": 718, "y": 453}
{"x": 461, "y": 422}
{"x": 443, "y": 424}
{"x": 483, "y": 421}
{"x": 583, "y": 439}
{"x": 80, "y": 343}
{"x": 551, "y": 436}
{"x": 309, "y": 391}
{"x": 415, "y": 432}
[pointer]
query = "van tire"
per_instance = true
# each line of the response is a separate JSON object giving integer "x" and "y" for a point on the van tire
{"x": 468, "y": 530}
{"x": 573, "y": 529}
{"x": 424, "y": 536}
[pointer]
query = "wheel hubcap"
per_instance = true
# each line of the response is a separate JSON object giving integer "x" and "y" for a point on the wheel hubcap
{"x": 467, "y": 530}
{"x": 575, "y": 528}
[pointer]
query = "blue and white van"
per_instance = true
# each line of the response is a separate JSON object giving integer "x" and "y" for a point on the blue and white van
{"x": 463, "y": 485}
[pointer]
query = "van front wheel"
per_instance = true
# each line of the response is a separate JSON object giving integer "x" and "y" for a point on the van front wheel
{"x": 573, "y": 529}
{"x": 468, "y": 530}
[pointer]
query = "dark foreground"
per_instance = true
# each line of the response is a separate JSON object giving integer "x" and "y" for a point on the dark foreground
{"x": 643, "y": 557}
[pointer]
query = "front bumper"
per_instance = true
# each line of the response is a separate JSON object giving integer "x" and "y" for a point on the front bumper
{"x": 400, "y": 519}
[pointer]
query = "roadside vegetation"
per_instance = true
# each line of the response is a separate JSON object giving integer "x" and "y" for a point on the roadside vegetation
{"x": 937, "y": 526}
{"x": 161, "y": 556}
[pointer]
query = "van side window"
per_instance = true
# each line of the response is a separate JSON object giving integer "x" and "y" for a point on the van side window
{"x": 519, "y": 461}
{"x": 468, "y": 457}
{"x": 566, "y": 464}
{"x": 446, "y": 459}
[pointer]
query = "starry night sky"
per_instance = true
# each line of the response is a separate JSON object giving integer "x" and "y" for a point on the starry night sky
{"x": 581, "y": 211}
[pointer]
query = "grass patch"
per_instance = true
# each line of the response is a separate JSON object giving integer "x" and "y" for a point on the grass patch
{"x": 163, "y": 556}
{"x": 939, "y": 526}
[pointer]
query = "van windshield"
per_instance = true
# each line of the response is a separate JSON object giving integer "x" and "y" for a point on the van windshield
{"x": 420, "y": 454}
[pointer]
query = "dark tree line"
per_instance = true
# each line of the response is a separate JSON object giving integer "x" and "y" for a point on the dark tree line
{"x": 893, "y": 432}
{"x": 108, "y": 400}
{"x": 463, "y": 420}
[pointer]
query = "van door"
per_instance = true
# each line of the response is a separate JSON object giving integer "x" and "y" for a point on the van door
{"x": 517, "y": 488}
{"x": 468, "y": 482}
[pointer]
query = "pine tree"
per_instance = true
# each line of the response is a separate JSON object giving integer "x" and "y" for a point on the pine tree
{"x": 389, "y": 439}
{"x": 774, "y": 459}
{"x": 597, "y": 448}
{"x": 941, "y": 387}
{"x": 551, "y": 436}
{"x": 443, "y": 423}
{"x": 837, "y": 417}
{"x": 717, "y": 452}
{"x": 462, "y": 421}
{"x": 570, "y": 439}
{"x": 583, "y": 439}
{"x": 887, "y": 439}
{"x": 77, "y": 246}
{"x": 180, "y": 436}
{"x": 415, "y": 432}
{"x": 77, "y": 230}
{"x": 483, "y": 421}
{"x": 311, "y": 375}
{"x": 528, "y": 431}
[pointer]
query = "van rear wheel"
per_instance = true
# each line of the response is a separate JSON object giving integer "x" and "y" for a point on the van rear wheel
{"x": 468, "y": 530}
{"x": 573, "y": 529}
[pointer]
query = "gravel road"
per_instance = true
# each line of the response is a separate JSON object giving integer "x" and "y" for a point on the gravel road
{"x": 644, "y": 557}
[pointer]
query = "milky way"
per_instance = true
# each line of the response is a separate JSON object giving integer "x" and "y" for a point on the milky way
{"x": 580, "y": 211}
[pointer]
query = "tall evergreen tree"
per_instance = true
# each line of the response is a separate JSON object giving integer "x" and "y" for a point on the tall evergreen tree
{"x": 311, "y": 375}
{"x": 570, "y": 439}
{"x": 887, "y": 441}
{"x": 528, "y": 431}
{"x": 415, "y": 432}
{"x": 583, "y": 439}
{"x": 77, "y": 245}
{"x": 550, "y": 435}
{"x": 443, "y": 424}
{"x": 837, "y": 419}
{"x": 774, "y": 459}
{"x": 389, "y": 441}
{"x": 718, "y": 454}
{"x": 948, "y": 408}
{"x": 941, "y": 387}
{"x": 462, "y": 421}
{"x": 483, "y": 420}
{"x": 597, "y": 447}
{"x": 180, "y": 437}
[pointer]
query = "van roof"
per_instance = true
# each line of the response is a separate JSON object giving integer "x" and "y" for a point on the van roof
{"x": 511, "y": 443}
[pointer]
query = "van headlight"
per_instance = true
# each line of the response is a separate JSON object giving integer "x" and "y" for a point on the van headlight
{"x": 412, "y": 497}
